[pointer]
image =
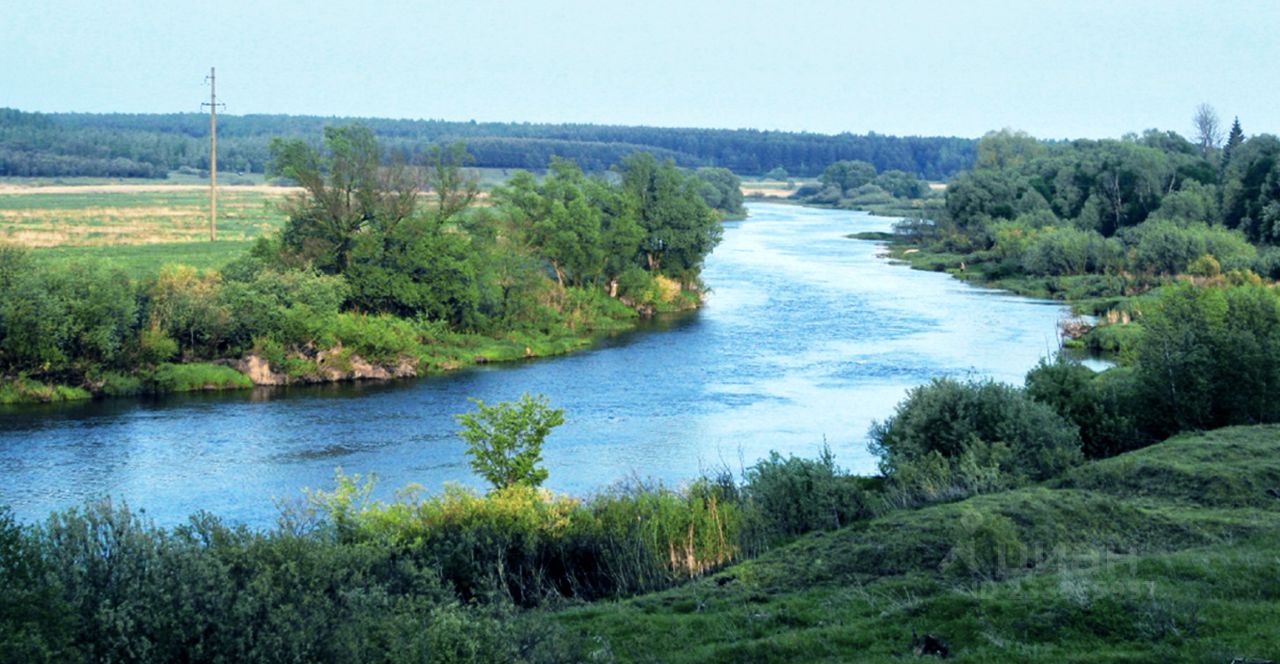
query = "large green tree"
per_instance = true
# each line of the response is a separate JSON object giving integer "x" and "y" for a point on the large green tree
{"x": 679, "y": 228}
{"x": 558, "y": 222}
{"x": 346, "y": 190}
{"x": 1251, "y": 189}
{"x": 847, "y": 175}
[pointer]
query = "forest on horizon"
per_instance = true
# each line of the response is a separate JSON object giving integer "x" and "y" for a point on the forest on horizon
{"x": 154, "y": 145}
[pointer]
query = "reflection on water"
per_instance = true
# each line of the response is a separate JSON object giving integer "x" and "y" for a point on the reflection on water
{"x": 807, "y": 337}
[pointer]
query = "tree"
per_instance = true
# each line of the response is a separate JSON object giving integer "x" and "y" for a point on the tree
{"x": 455, "y": 187}
{"x": 504, "y": 440}
{"x": 33, "y": 319}
{"x": 557, "y": 221}
{"x": 1234, "y": 139}
{"x": 346, "y": 190}
{"x": 1007, "y": 149}
{"x": 620, "y": 230}
{"x": 1207, "y": 129}
{"x": 679, "y": 228}
{"x": 417, "y": 269}
{"x": 1250, "y": 184}
{"x": 900, "y": 184}
{"x": 1177, "y": 355}
{"x": 1209, "y": 357}
{"x": 722, "y": 190}
{"x": 847, "y": 175}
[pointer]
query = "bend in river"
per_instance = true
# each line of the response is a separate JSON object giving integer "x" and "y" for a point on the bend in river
{"x": 807, "y": 336}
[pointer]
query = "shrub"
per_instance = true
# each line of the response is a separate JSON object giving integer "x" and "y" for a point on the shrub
{"x": 1205, "y": 266}
{"x": 668, "y": 289}
{"x": 115, "y": 384}
{"x": 1119, "y": 338}
{"x": 527, "y": 544}
{"x": 1102, "y": 405}
{"x": 1069, "y": 251}
{"x": 637, "y": 285}
{"x": 155, "y": 346}
{"x": 792, "y": 496}
{"x": 77, "y": 315}
{"x": 184, "y": 304}
{"x": 113, "y": 587}
{"x": 900, "y": 184}
{"x": 1163, "y": 246}
{"x": 987, "y": 548}
{"x": 26, "y": 390}
{"x": 953, "y": 418}
{"x": 34, "y": 622}
{"x": 195, "y": 377}
{"x": 935, "y": 478}
{"x": 378, "y": 338}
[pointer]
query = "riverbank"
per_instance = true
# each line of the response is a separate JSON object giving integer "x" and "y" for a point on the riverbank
{"x": 1110, "y": 300}
{"x": 434, "y": 353}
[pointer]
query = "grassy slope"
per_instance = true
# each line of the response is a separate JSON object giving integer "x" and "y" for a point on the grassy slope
{"x": 1171, "y": 553}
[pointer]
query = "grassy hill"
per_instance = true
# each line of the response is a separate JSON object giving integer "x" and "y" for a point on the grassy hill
{"x": 1170, "y": 553}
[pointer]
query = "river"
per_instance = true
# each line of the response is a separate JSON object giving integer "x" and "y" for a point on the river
{"x": 806, "y": 337}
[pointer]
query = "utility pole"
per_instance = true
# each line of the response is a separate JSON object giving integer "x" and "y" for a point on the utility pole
{"x": 213, "y": 153}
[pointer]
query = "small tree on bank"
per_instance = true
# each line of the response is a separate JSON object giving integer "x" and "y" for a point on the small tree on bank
{"x": 504, "y": 440}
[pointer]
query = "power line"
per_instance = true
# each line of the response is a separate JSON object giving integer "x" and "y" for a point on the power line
{"x": 213, "y": 105}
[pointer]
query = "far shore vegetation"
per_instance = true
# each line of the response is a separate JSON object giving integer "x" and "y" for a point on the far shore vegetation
{"x": 355, "y": 274}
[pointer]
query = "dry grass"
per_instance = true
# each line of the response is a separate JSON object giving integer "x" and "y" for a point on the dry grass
{"x": 766, "y": 191}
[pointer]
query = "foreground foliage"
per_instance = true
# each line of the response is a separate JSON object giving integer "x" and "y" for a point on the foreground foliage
{"x": 1164, "y": 553}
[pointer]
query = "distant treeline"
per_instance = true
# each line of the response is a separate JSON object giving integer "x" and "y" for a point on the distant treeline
{"x": 152, "y": 145}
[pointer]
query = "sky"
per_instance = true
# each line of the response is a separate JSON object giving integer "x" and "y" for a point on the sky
{"x": 1065, "y": 69}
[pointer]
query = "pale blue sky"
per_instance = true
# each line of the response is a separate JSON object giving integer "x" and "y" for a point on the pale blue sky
{"x": 1063, "y": 69}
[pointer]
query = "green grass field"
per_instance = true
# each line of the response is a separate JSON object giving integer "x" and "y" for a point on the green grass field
{"x": 143, "y": 260}
{"x": 138, "y": 227}
{"x": 1171, "y": 553}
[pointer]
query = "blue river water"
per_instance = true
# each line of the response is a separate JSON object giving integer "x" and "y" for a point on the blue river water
{"x": 806, "y": 338}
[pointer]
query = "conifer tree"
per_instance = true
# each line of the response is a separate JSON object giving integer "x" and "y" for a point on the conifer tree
{"x": 1234, "y": 139}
